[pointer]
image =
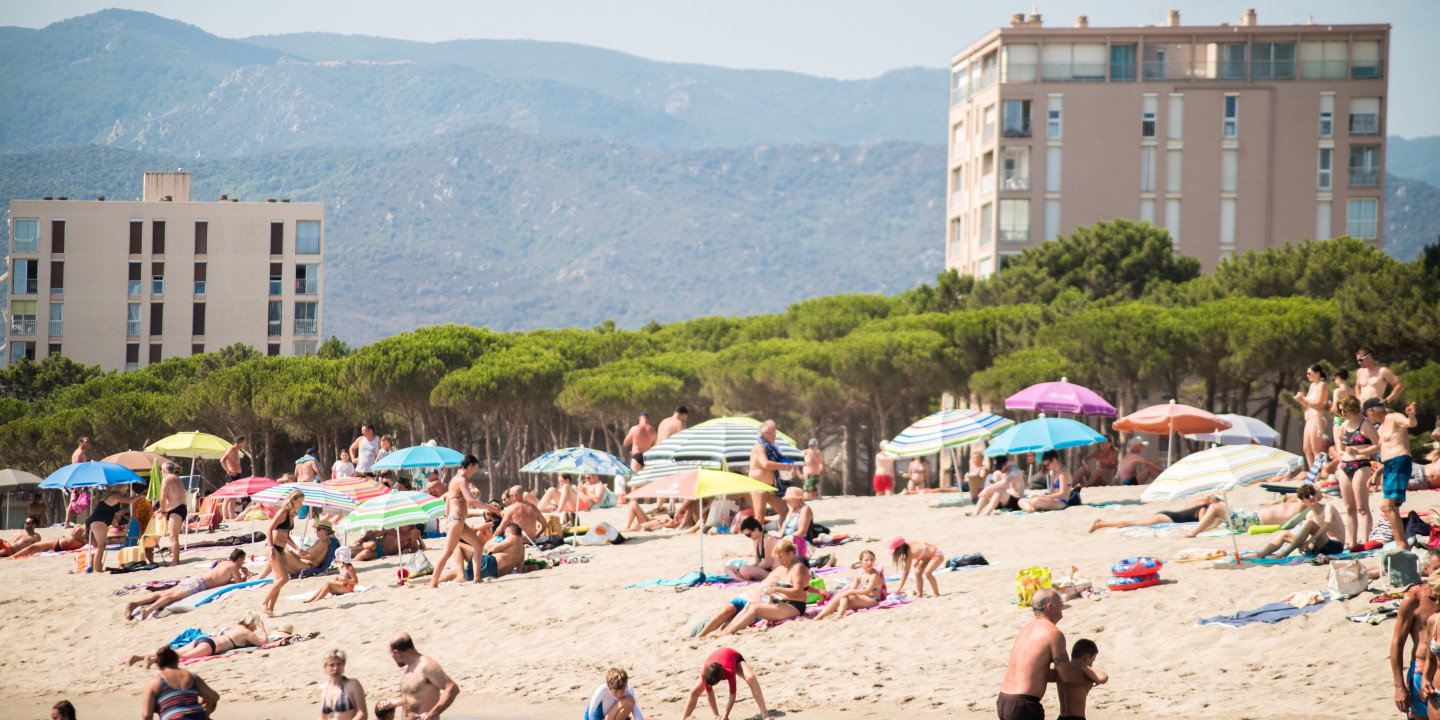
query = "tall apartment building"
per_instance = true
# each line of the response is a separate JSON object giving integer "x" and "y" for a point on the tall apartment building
{"x": 1232, "y": 138}
{"x": 125, "y": 284}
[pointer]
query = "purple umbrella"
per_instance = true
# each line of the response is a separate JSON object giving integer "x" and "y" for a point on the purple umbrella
{"x": 1060, "y": 397}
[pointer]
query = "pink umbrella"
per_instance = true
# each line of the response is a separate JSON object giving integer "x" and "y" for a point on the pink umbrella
{"x": 1060, "y": 397}
{"x": 244, "y": 487}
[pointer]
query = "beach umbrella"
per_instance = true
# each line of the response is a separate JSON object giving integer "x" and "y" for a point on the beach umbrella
{"x": 244, "y": 487}
{"x": 193, "y": 445}
{"x": 665, "y": 468}
{"x": 316, "y": 495}
{"x": 579, "y": 461}
{"x": 420, "y": 456}
{"x": 944, "y": 429}
{"x": 1042, "y": 434}
{"x": 1060, "y": 397}
{"x": 393, "y": 511}
{"x": 358, "y": 489}
{"x": 1243, "y": 429}
{"x": 11, "y": 480}
{"x": 137, "y": 460}
{"x": 1171, "y": 418}
{"x": 96, "y": 473}
{"x": 699, "y": 483}
{"x": 1219, "y": 470}
{"x": 725, "y": 440}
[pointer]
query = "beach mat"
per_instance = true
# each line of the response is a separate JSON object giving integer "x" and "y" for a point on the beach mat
{"x": 302, "y": 597}
{"x": 207, "y": 596}
{"x": 688, "y": 579}
{"x": 1271, "y": 614}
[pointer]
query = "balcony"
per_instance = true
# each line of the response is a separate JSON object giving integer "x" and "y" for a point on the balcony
{"x": 1364, "y": 124}
{"x": 1364, "y": 177}
{"x": 1367, "y": 69}
{"x": 1324, "y": 69}
{"x": 305, "y": 285}
{"x": 1072, "y": 72}
{"x": 27, "y": 245}
{"x": 957, "y": 199}
{"x": 1015, "y": 127}
{"x": 57, "y": 328}
{"x": 1272, "y": 69}
{"x": 957, "y": 96}
{"x": 987, "y": 78}
{"x": 1014, "y": 234}
{"x": 987, "y": 184}
{"x": 987, "y": 132}
{"x": 306, "y": 327}
{"x": 1019, "y": 72}
{"x": 22, "y": 325}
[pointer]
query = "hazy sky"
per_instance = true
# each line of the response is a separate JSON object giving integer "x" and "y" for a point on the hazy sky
{"x": 834, "y": 38}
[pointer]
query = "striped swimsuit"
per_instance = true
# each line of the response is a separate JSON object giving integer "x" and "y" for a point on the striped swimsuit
{"x": 177, "y": 704}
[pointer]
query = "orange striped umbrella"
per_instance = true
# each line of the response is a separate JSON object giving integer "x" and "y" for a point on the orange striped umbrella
{"x": 358, "y": 489}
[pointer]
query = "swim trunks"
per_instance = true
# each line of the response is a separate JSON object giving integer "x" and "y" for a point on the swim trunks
{"x": 1184, "y": 516}
{"x": 1397, "y": 477}
{"x": 883, "y": 484}
{"x": 1019, "y": 707}
{"x": 1413, "y": 680}
{"x": 1129, "y": 481}
{"x": 812, "y": 483}
{"x": 1071, "y": 717}
{"x": 1331, "y": 547}
{"x": 1011, "y": 503}
{"x": 235, "y": 476}
{"x": 1241, "y": 521}
{"x": 191, "y": 585}
{"x": 639, "y": 458}
{"x": 177, "y": 510}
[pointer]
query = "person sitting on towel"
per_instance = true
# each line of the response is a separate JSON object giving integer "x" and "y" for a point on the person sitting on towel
{"x": 225, "y": 572}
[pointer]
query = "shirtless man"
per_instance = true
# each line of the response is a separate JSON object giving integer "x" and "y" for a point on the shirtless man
{"x": 1371, "y": 378}
{"x": 508, "y": 550}
{"x": 766, "y": 469}
{"x": 425, "y": 689}
{"x": 1395, "y": 455}
{"x": 561, "y": 498}
{"x": 307, "y": 468}
{"x": 230, "y": 461}
{"x": 884, "y": 481}
{"x": 1322, "y": 533}
{"x": 172, "y": 504}
{"x": 1411, "y": 619}
{"x": 1136, "y": 469}
{"x": 377, "y": 544}
{"x": 976, "y": 475}
{"x": 38, "y": 509}
{"x": 1099, "y": 467}
{"x": 1037, "y": 658}
{"x": 365, "y": 449}
{"x": 917, "y": 476}
{"x": 671, "y": 425}
{"x": 640, "y": 438}
{"x": 524, "y": 513}
{"x": 458, "y": 501}
{"x": 814, "y": 469}
{"x": 26, "y": 537}
{"x": 225, "y": 572}
{"x": 1240, "y": 521}
{"x": 82, "y": 451}
{"x": 433, "y": 485}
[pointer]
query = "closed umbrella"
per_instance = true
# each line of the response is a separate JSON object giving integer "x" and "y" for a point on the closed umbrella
{"x": 1060, "y": 397}
{"x": 701, "y": 483}
{"x": 420, "y": 456}
{"x": 1221, "y": 469}
{"x": 1243, "y": 429}
{"x": 1171, "y": 418}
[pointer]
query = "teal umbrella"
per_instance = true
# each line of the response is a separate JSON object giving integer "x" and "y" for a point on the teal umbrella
{"x": 1042, "y": 434}
{"x": 420, "y": 456}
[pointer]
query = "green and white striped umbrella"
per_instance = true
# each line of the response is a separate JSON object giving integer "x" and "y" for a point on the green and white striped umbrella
{"x": 393, "y": 510}
{"x": 725, "y": 440}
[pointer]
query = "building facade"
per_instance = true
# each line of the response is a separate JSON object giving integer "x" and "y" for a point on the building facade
{"x": 1232, "y": 138}
{"x": 125, "y": 284}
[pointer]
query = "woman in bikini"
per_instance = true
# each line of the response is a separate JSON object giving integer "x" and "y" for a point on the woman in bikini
{"x": 786, "y": 600}
{"x": 1314, "y": 402}
{"x": 279, "y": 535}
{"x": 458, "y": 499}
{"x": 921, "y": 557}
{"x": 1356, "y": 440}
{"x": 865, "y": 590}
{"x": 249, "y": 633}
{"x": 101, "y": 517}
{"x": 341, "y": 698}
{"x": 765, "y": 559}
{"x": 177, "y": 694}
{"x": 1061, "y": 487}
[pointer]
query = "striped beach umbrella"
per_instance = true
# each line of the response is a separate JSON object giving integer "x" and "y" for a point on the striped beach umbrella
{"x": 1220, "y": 470}
{"x": 665, "y": 468}
{"x": 316, "y": 496}
{"x": 358, "y": 489}
{"x": 244, "y": 487}
{"x": 944, "y": 429}
{"x": 579, "y": 461}
{"x": 722, "y": 440}
{"x": 393, "y": 510}
{"x": 420, "y": 456}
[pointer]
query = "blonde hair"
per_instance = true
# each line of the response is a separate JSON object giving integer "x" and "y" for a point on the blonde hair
{"x": 292, "y": 496}
{"x": 250, "y": 620}
{"x": 785, "y": 546}
{"x": 336, "y": 654}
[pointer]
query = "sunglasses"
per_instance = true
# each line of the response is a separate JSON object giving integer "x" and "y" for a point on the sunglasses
{"x": 1362, "y": 357}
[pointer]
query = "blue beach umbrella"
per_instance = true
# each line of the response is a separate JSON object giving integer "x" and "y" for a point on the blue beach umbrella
{"x": 95, "y": 473}
{"x": 1042, "y": 434}
{"x": 579, "y": 461}
{"x": 420, "y": 456}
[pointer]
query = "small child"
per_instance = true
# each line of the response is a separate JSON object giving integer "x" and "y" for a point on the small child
{"x": 920, "y": 557}
{"x": 615, "y": 700}
{"x": 1072, "y": 695}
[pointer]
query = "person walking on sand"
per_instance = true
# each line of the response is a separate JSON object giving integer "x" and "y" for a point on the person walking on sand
{"x": 724, "y": 664}
{"x": 281, "y": 523}
{"x": 640, "y": 438}
{"x": 172, "y": 504}
{"x": 425, "y": 689}
{"x": 458, "y": 500}
{"x": 673, "y": 424}
{"x": 1372, "y": 378}
{"x": 814, "y": 469}
{"x": 1037, "y": 657}
{"x": 917, "y": 476}
{"x": 766, "y": 464}
{"x": 884, "y": 481}
{"x": 1395, "y": 459}
{"x": 230, "y": 461}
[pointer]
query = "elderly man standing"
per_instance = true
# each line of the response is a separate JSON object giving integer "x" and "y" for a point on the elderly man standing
{"x": 172, "y": 504}
{"x": 1037, "y": 658}
{"x": 425, "y": 689}
{"x": 766, "y": 464}
{"x": 640, "y": 439}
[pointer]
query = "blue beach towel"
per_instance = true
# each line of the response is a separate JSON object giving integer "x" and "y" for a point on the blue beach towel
{"x": 692, "y": 578}
{"x": 1272, "y": 613}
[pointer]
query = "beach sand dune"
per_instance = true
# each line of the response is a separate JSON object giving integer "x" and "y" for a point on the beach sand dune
{"x": 536, "y": 645}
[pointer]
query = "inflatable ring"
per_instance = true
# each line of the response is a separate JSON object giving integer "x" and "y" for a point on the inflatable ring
{"x": 1134, "y": 582}
{"x": 1136, "y": 567}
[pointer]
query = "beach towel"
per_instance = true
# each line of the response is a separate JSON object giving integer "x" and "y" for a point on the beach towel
{"x": 687, "y": 579}
{"x": 276, "y": 641}
{"x": 1272, "y": 613}
{"x": 185, "y": 638}
{"x": 1160, "y": 530}
{"x": 207, "y": 596}
{"x": 302, "y": 597}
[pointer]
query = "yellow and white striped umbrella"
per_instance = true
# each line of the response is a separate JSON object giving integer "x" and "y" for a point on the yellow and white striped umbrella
{"x": 1221, "y": 469}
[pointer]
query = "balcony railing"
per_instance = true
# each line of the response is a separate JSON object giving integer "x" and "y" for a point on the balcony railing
{"x": 1014, "y": 234}
{"x": 1364, "y": 124}
{"x": 987, "y": 132}
{"x": 57, "y": 328}
{"x": 22, "y": 325}
{"x": 957, "y": 96}
{"x": 1367, "y": 69}
{"x": 1272, "y": 69}
{"x": 1364, "y": 177}
{"x": 272, "y": 329}
{"x": 1072, "y": 72}
{"x": 957, "y": 199}
{"x": 27, "y": 286}
{"x": 305, "y": 327}
{"x": 1362, "y": 229}
{"x": 27, "y": 245}
{"x": 132, "y": 328}
{"x": 987, "y": 184}
{"x": 1015, "y": 181}
{"x": 1122, "y": 71}
{"x": 1016, "y": 127}
{"x": 1019, "y": 72}
{"x": 987, "y": 78}
{"x": 1324, "y": 69}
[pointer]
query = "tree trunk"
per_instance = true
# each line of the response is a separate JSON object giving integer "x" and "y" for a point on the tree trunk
{"x": 490, "y": 464}
{"x": 847, "y": 465}
{"x": 269, "y": 451}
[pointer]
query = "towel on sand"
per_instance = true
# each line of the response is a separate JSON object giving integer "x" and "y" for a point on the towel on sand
{"x": 687, "y": 579}
{"x": 1272, "y": 613}
{"x": 302, "y": 597}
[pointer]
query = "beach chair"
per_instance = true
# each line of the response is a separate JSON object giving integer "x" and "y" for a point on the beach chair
{"x": 1283, "y": 489}
{"x": 324, "y": 564}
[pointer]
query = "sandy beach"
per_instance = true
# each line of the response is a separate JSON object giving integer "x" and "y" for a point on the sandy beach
{"x": 535, "y": 646}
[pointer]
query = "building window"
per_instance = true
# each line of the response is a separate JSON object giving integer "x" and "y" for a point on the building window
{"x": 1361, "y": 218}
{"x": 1052, "y": 123}
{"x": 202, "y": 237}
{"x": 27, "y": 236}
{"x": 197, "y": 320}
{"x": 1020, "y": 63}
{"x": 277, "y": 278}
{"x": 307, "y": 279}
{"x": 1172, "y": 220}
{"x": 305, "y": 347}
{"x": 273, "y": 327}
{"x": 277, "y": 238}
{"x": 157, "y": 237}
{"x": 24, "y": 280}
{"x": 307, "y": 237}
{"x": 132, "y": 356}
{"x": 987, "y": 172}
{"x": 1227, "y": 222}
{"x": 1229, "y": 170}
{"x": 1122, "y": 62}
{"x": 1326, "y": 159}
{"x": 1365, "y": 116}
{"x": 135, "y": 287}
{"x": 1172, "y": 171}
{"x": 987, "y": 69}
{"x": 22, "y": 317}
{"x": 959, "y": 83}
{"x": 57, "y": 237}
{"x": 200, "y": 274}
{"x": 157, "y": 278}
{"x": 1328, "y": 60}
{"x": 57, "y": 277}
{"x": 272, "y": 349}
{"x": 157, "y": 319}
{"x": 1015, "y": 168}
{"x": 1052, "y": 169}
{"x": 132, "y": 319}
{"x": 1232, "y": 64}
{"x": 987, "y": 126}
{"x": 957, "y": 141}
{"x": 1147, "y": 211}
{"x": 1364, "y": 166}
{"x": 1322, "y": 220}
{"x": 1230, "y": 126}
{"x": 1175, "y": 117}
{"x": 986, "y": 223}
{"x": 197, "y": 349}
{"x": 1327, "y": 116}
{"x": 306, "y": 322}
{"x": 1064, "y": 62}
{"x": 1016, "y": 118}
{"x": 154, "y": 353}
{"x": 55, "y": 350}
{"x": 57, "y": 319}
{"x": 957, "y": 187}
{"x": 1272, "y": 61}
{"x": 1052, "y": 219}
{"x": 22, "y": 351}
{"x": 1365, "y": 59}
{"x": 136, "y": 230}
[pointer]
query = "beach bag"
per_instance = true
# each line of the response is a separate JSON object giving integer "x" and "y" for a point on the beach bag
{"x": 1402, "y": 569}
{"x": 721, "y": 513}
{"x": 1347, "y": 578}
{"x": 417, "y": 565}
{"x": 1029, "y": 581}
{"x": 601, "y": 533}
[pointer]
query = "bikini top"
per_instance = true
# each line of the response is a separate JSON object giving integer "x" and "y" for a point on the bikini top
{"x": 1356, "y": 437}
{"x": 341, "y": 705}
{"x": 288, "y": 524}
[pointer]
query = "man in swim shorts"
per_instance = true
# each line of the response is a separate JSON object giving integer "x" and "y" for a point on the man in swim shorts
{"x": 1240, "y": 521}
{"x": 1411, "y": 618}
{"x": 1037, "y": 658}
{"x": 26, "y": 537}
{"x": 640, "y": 438}
{"x": 1322, "y": 533}
{"x": 814, "y": 469}
{"x": 1395, "y": 456}
{"x": 172, "y": 501}
{"x": 884, "y": 483}
{"x": 225, "y": 572}
{"x": 1135, "y": 468}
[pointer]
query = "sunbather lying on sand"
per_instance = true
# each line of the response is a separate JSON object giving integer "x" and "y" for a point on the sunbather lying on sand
{"x": 23, "y": 539}
{"x": 377, "y": 544}
{"x": 1190, "y": 513}
{"x": 249, "y": 633}
{"x": 225, "y": 572}
{"x": 72, "y": 540}
{"x": 1240, "y": 521}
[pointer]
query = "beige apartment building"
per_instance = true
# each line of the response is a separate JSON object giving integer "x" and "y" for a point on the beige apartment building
{"x": 125, "y": 284}
{"x": 1232, "y": 138}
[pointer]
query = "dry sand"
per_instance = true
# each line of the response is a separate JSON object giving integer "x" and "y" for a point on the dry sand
{"x": 537, "y": 645}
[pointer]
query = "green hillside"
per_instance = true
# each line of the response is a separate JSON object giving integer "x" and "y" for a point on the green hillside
{"x": 500, "y": 228}
{"x": 1412, "y": 216}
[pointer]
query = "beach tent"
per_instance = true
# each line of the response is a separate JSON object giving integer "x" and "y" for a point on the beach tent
{"x": 11, "y": 481}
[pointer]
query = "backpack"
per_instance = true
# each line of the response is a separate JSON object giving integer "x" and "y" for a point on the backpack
{"x": 1402, "y": 569}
